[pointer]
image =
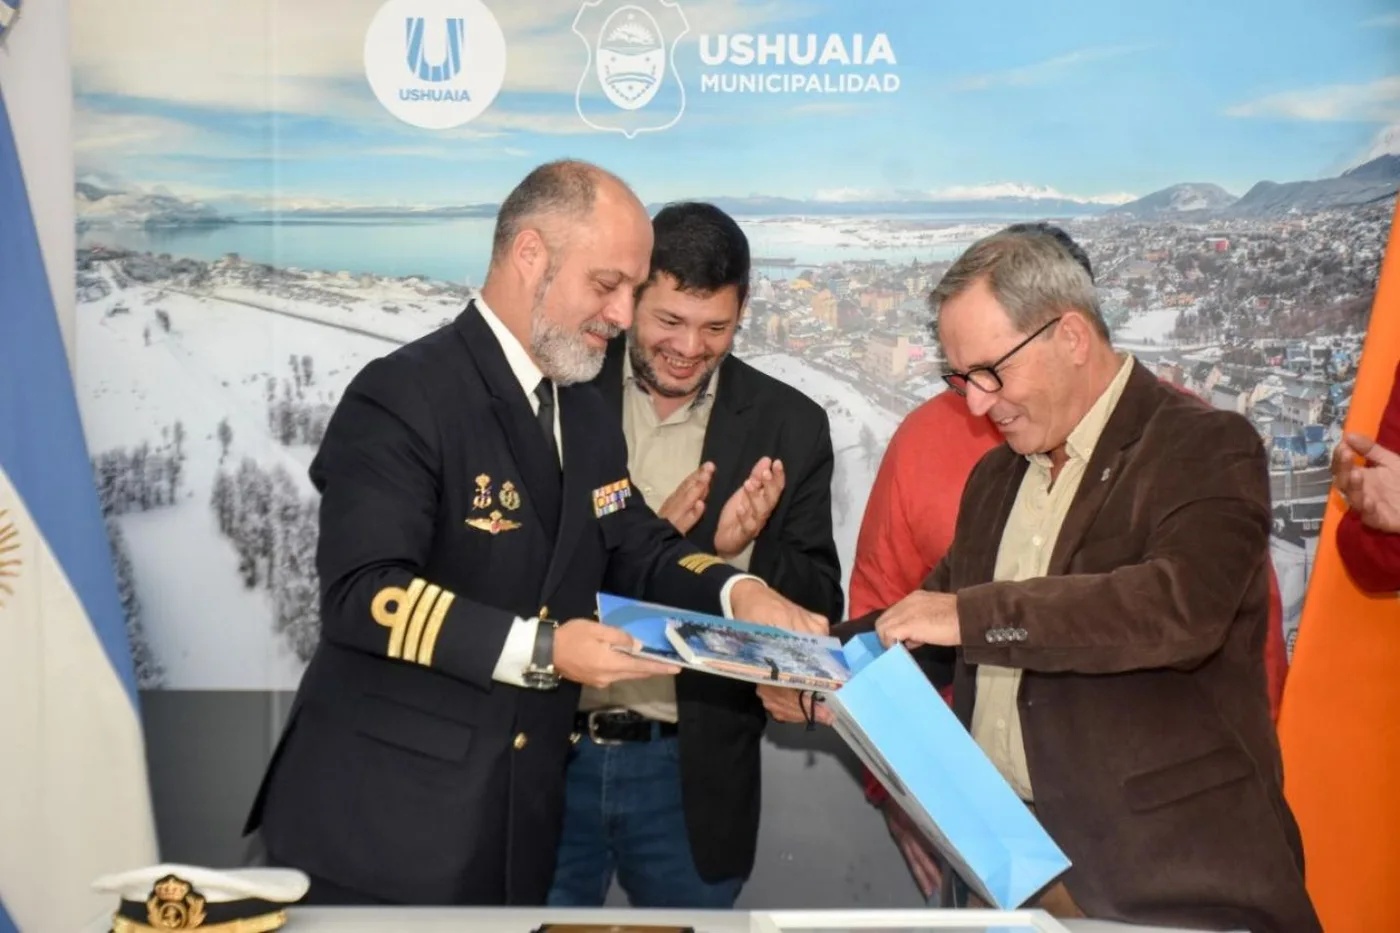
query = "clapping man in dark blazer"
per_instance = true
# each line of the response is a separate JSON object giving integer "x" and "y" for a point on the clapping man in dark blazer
{"x": 474, "y": 491}
{"x": 663, "y": 785}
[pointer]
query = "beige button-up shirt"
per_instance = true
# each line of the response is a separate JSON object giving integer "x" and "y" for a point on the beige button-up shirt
{"x": 660, "y": 455}
{"x": 1026, "y": 545}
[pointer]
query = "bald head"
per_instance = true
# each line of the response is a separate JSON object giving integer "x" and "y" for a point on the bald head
{"x": 555, "y": 198}
{"x": 572, "y": 243}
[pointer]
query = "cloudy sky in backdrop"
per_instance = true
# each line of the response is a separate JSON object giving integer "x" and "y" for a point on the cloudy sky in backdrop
{"x": 246, "y": 103}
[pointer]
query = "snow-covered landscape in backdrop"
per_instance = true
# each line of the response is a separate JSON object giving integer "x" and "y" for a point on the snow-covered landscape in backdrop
{"x": 204, "y": 391}
{"x": 205, "y": 382}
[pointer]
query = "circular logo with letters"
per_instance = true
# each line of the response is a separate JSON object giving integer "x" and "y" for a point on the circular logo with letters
{"x": 435, "y": 64}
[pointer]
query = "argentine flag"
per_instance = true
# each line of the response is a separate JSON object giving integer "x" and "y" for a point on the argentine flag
{"x": 74, "y": 798}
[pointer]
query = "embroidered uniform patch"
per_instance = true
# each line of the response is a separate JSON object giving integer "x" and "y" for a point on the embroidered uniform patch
{"x": 699, "y": 563}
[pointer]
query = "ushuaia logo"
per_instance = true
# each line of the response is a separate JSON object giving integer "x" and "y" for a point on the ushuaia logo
{"x": 797, "y": 63}
{"x": 451, "y": 64}
{"x": 630, "y": 83}
{"x": 435, "y": 63}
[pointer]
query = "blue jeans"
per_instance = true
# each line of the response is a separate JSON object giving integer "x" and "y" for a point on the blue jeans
{"x": 623, "y": 814}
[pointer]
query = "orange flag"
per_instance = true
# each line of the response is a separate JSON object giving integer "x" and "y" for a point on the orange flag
{"x": 1340, "y": 721}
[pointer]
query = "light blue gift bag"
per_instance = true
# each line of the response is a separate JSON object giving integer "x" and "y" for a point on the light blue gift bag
{"x": 893, "y": 718}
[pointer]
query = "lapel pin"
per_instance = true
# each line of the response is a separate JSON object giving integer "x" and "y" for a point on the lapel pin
{"x": 482, "y": 499}
{"x": 510, "y": 496}
{"x": 1104, "y": 477}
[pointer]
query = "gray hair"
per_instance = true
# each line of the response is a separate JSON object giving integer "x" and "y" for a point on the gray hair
{"x": 1032, "y": 275}
{"x": 567, "y": 188}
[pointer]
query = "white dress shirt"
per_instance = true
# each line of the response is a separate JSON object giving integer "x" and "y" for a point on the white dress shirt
{"x": 520, "y": 641}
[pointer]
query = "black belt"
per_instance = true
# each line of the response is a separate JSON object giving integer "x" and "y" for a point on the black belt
{"x": 612, "y": 726}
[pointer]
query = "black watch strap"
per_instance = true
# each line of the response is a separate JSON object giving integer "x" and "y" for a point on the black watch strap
{"x": 541, "y": 671}
{"x": 543, "y": 657}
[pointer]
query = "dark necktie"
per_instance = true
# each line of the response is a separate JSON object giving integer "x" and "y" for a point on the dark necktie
{"x": 545, "y": 393}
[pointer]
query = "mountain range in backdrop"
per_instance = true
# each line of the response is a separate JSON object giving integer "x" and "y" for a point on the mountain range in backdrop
{"x": 102, "y": 206}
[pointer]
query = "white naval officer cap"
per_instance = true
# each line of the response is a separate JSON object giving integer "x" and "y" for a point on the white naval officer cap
{"x": 190, "y": 897}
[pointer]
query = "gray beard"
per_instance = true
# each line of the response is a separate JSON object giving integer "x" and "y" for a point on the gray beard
{"x": 564, "y": 356}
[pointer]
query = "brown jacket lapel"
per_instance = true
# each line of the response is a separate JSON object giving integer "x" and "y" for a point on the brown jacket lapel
{"x": 1124, "y": 427}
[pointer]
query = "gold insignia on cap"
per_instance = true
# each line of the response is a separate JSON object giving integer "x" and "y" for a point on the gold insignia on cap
{"x": 510, "y": 497}
{"x": 174, "y": 904}
{"x": 414, "y": 617}
{"x": 483, "y": 492}
{"x": 494, "y": 524}
{"x": 9, "y": 566}
{"x": 699, "y": 563}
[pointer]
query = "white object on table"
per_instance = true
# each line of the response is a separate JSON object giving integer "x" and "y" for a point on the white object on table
{"x": 527, "y": 919}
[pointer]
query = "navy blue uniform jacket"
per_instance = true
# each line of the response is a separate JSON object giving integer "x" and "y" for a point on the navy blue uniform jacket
{"x": 405, "y": 771}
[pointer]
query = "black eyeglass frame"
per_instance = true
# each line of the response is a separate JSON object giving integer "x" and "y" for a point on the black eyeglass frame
{"x": 958, "y": 382}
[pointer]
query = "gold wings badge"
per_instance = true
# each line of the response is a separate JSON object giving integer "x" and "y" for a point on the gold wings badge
{"x": 495, "y": 523}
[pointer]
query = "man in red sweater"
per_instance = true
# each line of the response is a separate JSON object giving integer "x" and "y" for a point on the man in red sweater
{"x": 1368, "y": 538}
{"x": 908, "y": 526}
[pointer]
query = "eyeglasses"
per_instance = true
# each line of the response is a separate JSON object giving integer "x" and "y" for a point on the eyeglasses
{"x": 986, "y": 377}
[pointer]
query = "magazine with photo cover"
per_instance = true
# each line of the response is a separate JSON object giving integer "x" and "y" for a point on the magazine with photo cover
{"x": 728, "y": 647}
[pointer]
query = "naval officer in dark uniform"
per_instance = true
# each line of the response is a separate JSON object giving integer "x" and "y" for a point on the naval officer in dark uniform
{"x": 474, "y": 491}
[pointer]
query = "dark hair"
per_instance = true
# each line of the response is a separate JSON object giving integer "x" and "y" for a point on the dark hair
{"x": 1059, "y": 235}
{"x": 701, "y": 247}
{"x": 567, "y": 188}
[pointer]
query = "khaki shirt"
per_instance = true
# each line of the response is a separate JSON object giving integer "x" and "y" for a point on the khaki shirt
{"x": 660, "y": 455}
{"x": 1026, "y": 545}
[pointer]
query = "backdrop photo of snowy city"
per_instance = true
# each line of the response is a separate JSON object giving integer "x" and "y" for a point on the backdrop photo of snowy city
{"x": 212, "y": 351}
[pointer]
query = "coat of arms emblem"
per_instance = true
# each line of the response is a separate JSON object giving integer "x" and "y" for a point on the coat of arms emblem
{"x": 630, "y": 83}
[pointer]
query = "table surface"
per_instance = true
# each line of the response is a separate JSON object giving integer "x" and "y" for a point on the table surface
{"x": 526, "y": 920}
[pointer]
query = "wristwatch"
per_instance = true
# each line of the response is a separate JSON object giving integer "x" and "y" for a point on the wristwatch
{"x": 540, "y": 673}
